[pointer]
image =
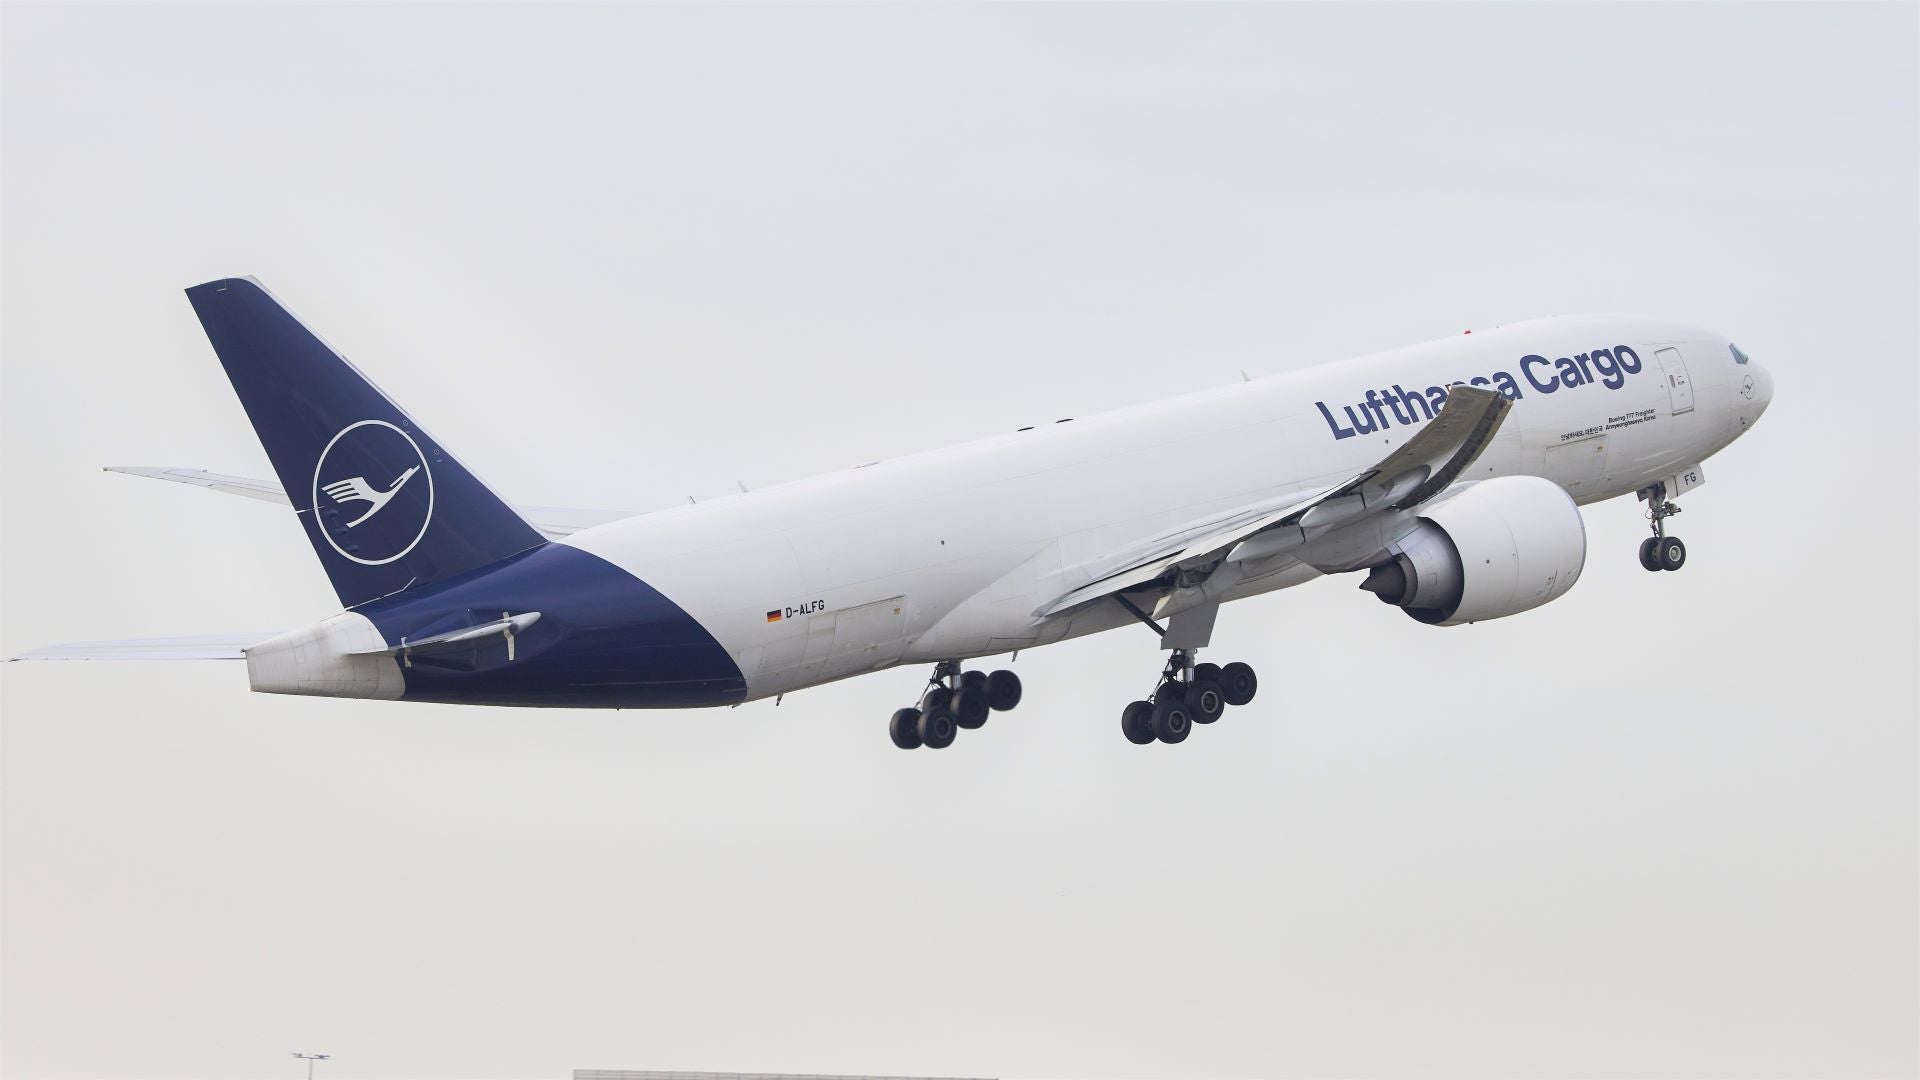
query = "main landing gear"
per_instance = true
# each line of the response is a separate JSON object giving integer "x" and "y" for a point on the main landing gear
{"x": 1660, "y": 551}
{"x": 954, "y": 699}
{"x": 1187, "y": 694}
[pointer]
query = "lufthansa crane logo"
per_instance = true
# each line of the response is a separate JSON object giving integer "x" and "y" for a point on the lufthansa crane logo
{"x": 372, "y": 493}
{"x": 358, "y": 490}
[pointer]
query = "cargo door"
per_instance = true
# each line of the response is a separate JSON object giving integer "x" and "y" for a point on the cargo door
{"x": 1679, "y": 387}
{"x": 1580, "y": 466}
{"x": 819, "y": 638}
{"x": 870, "y": 635}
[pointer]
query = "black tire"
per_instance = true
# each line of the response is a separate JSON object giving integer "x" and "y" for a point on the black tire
{"x": 1136, "y": 722}
{"x": 1673, "y": 553}
{"x": 970, "y": 707}
{"x": 1172, "y": 720}
{"x": 905, "y": 728}
{"x": 1206, "y": 671}
{"x": 937, "y": 729}
{"x": 973, "y": 678}
{"x": 1650, "y": 553}
{"x": 1238, "y": 684}
{"x": 1204, "y": 699}
{"x": 1003, "y": 690}
{"x": 936, "y": 697}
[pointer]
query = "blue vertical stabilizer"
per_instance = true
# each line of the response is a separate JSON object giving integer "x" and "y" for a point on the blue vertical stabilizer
{"x": 384, "y": 504}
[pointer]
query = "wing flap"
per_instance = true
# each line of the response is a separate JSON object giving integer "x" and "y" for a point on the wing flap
{"x": 1142, "y": 573}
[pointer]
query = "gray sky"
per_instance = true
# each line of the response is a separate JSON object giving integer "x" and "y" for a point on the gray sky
{"x": 617, "y": 255}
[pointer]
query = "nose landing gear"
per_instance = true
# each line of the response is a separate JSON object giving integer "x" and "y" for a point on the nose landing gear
{"x": 1660, "y": 551}
{"x": 954, "y": 699}
{"x": 1663, "y": 553}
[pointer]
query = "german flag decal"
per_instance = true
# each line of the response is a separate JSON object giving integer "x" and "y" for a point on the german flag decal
{"x": 773, "y": 616}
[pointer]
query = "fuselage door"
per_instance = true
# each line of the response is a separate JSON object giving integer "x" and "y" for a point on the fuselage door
{"x": 1580, "y": 466}
{"x": 1678, "y": 385}
{"x": 869, "y": 635}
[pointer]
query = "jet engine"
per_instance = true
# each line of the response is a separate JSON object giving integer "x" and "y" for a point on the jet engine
{"x": 1498, "y": 548}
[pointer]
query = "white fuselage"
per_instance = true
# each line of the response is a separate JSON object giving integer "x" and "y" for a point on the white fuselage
{"x": 952, "y": 553}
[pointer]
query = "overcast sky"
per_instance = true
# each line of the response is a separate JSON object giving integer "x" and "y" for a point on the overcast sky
{"x": 619, "y": 255}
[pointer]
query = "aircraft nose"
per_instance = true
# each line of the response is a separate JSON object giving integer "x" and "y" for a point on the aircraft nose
{"x": 1752, "y": 384}
{"x": 1753, "y": 391}
{"x": 1762, "y": 394}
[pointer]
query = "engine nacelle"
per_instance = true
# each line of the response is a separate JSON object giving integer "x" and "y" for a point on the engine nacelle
{"x": 1500, "y": 547}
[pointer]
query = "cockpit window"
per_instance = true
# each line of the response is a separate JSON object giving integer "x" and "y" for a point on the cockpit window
{"x": 1738, "y": 356}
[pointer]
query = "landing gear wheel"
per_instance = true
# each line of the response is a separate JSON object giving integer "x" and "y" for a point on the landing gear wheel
{"x": 1003, "y": 690}
{"x": 1204, "y": 699}
{"x": 905, "y": 728}
{"x": 1662, "y": 552}
{"x": 1238, "y": 684}
{"x": 936, "y": 729}
{"x": 1672, "y": 553}
{"x": 1206, "y": 671}
{"x": 972, "y": 678}
{"x": 1650, "y": 553}
{"x": 1136, "y": 722}
{"x": 1172, "y": 722}
{"x": 970, "y": 705}
{"x": 937, "y": 698}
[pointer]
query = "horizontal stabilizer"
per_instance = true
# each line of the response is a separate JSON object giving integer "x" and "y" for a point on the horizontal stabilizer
{"x": 552, "y": 521}
{"x": 198, "y": 647}
{"x": 264, "y": 490}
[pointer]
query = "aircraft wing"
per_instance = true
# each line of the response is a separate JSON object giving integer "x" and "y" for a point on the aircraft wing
{"x": 553, "y": 522}
{"x": 200, "y": 647}
{"x": 1421, "y": 468}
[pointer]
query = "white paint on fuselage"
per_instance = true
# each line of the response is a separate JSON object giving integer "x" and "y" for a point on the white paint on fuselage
{"x": 947, "y": 554}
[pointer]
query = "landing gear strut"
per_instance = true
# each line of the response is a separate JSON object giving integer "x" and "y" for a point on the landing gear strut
{"x": 954, "y": 699}
{"x": 1660, "y": 551}
{"x": 1187, "y": 694}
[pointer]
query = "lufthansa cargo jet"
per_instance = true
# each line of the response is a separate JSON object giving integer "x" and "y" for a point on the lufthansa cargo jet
{"x": 1446, "y": 478}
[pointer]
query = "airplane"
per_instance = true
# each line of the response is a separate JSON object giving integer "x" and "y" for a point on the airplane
{"x": 1445, "y": 477}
